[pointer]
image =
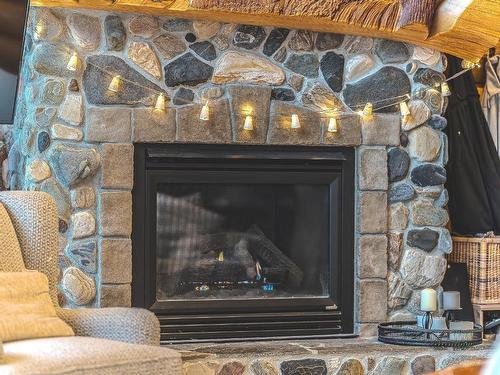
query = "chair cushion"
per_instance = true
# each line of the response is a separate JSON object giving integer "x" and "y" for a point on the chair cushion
{"x": 87, "y": 355}
{"x": 11, "y": 258}
{"x": 26, "y": 309}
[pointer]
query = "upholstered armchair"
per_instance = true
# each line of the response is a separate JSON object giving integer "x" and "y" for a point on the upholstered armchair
{"x": 34, "y": 217}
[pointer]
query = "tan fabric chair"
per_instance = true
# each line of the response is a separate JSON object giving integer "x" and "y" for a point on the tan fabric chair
{"x": 35, "y": 221}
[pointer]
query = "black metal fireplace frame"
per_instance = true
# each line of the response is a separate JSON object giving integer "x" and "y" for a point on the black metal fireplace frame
{"x": 227, "y": 320}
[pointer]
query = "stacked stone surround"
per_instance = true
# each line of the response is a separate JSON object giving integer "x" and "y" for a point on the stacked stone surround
{"x": 74, "y": 139}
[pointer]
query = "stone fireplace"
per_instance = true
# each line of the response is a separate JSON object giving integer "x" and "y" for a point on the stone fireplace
{"x": 76, "y": 140}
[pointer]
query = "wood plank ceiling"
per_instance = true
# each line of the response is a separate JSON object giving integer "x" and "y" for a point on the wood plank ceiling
{"x": 465, "y": 28}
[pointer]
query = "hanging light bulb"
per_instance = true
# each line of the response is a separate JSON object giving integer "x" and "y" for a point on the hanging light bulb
{"x": 332, "y": 125}
{"x": 248, "y": 123}
{"x": 467, "y": 64}
{"x": 295, "y": 121}
{"x": 73, "y": 62}
{"x": 160, "y": 103}
{"x": 40, "y": 30}
{"x": 115, "y": 84}
{"x": 445, "y": 89}
{"x": 405, "y": 111}
{"x": 205, "y": 112}
{"x": 368, "y": 110}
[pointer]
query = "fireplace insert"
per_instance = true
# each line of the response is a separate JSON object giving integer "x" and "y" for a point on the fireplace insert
{"x": 244, "y": 242}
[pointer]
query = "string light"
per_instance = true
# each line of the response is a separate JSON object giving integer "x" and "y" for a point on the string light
{"x": 73, "y": 62}
{"x": 160, "y": 104}
{"x": 368, "y": 110}
{"x": 40, "y": 30}
{"x": 248, "y": 123}
{"x": 332, "y": 125}
{"x": 295, "y": 121}
{"x": 115, "y": 84}
{"x": 468, "y": 65}
{"x": 445, "y": 89}
{"x": 205, "y": 112}
{"x": 405, "y": 111}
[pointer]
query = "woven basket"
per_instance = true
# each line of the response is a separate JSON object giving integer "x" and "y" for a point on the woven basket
{"x": 482, "y": 256}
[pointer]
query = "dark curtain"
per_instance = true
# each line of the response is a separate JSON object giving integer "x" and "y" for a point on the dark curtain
{"x": 474, "y": 166}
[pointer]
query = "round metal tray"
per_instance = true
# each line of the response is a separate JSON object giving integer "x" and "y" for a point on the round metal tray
{"x": 408, "y": 333}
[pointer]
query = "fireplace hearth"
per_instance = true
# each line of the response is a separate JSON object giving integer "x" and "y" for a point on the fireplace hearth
{"x": 244, "y": 242}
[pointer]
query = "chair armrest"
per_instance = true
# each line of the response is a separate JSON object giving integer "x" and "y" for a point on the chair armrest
{"x": 132, "y": 325}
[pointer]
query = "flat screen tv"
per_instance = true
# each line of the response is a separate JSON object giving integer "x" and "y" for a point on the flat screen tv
{"x": 12, "y": 26}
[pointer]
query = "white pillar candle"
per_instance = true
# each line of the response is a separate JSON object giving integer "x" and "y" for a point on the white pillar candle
{"x": 428, "y": 300}
{"x": 451, "y": 300}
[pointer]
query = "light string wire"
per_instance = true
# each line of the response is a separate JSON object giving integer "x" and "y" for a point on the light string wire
{"x": 329, "y": 113}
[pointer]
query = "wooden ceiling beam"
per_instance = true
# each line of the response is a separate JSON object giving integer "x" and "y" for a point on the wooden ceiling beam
{"x": 465, "y": 28}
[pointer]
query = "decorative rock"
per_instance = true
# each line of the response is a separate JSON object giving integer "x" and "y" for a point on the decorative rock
{"x": 83, "y": 197}
{"x": 83, "y": 225}
{"x": 321, "y": 98}
{"x": 71, "y": 110}
{"x": 60, "y": 196}
{"x": 73, "y": 86}
{"x": 39, "y": 170}
{"x": 357, "y": 44}
{"x": 445, "y": 243}
{"x": 306, "y": 65}
{"x": 398, "y": 216}
{"x": 117, "y": 166}
{"x": 398, "y": 292}
{"x": 64, "y": 132}
{"x": 274, "y": 41}
{"x": 206, "y": 29}
{"x": 221, "y": 41}
{"x": 302, "y": 40}
{"x": 43, "y": 141}
{"x": 422, "y": 271}
{"x": 283, "y": 94}
{"x": 428, "y": 77}
{"x": 249, "y": 36}
{"x": 78, "y": 287}
{"x": 395, "y": 240}
{"x": 348, "y": 133}
{"x": 52, "y": 59}
{"x": 419, "y": 113}
{"x": 169, "y": 45}
{"x": 401, "y": 193}
{"x": 358, "y": 66}
{"x": 115, "y": 33}
{"x": 244, "y": 67}
{"x": 145, "y": 26}
{"x": 190, "y": 38}
{"x": 262, "y": 367}
{"x": 391, "y": 52}
{"x": 74, "y": 164}
{"x": 332, "y": 67}
{"x": 308, "y": 366}
{"x": 206, "y": 50}
{"x": 428, "y": 175}
{"x": 109, "y": 125}
{"x": 296, "y": 82}
{"x": 377, "y": 87}
{"x": 404, "y": 140}
{"x": 372, "y": 300}
{"x": 426, "y": 56}
{"x": 373, "y": 167}
{"x": 197, "y": 368}
{"x": 63, "y": 226}
{"x": 187, "y": 70}
{"x": 424, "y": 364}
{"x": 351, "y": 367}
{"x": 390, "y": 365}
{"x": 373, "y": 212}
{"x": 425, "y": 144}
{"x": 432, "y": 192}
{"x": 443, "y": 199}
{"x": 53, "y": 92}
{"x": 424, "y": 213}
{"x": 425, "y": 239}
{"x": 177, "y": 25}
{"x": 398, "y": 163}
{"x": 46, "y": 25}
{"x": 212, "y": 93}
{"x": 232, "y": 368}
{"x": 411, "y": 67}
{"x": 373, "y": 256}
{"x": 437, "y": 122}
{"x": 382, "y": 129}
{"x": 183, "y": 96}
{"x": 154, "y": 126}
{"x": 144, "y": 56}
{"x": 434, "y": 100}
{"x": 328, "y": 41}
{"x": 84, "y": 255}
{"x": 85, "y": 30}
{"x": 97, "y": 93}
{"x": 281, "y": 55}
